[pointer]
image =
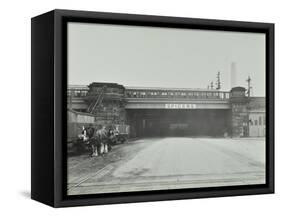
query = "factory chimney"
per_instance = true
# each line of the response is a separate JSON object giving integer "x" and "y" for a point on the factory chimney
{"x": 233, "y": 75}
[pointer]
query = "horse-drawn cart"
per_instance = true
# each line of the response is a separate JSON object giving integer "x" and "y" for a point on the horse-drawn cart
{"x": 77, "y": 121}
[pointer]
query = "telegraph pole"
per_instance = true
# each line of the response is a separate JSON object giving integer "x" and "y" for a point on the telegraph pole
{"x": 249, "y": 94}
{"x": 218, "y": 81}
{"x": 249, "y": 86}
{"x": 212, "y": 85}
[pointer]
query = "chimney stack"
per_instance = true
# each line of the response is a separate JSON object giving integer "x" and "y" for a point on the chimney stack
{"x": 233, "y": 75}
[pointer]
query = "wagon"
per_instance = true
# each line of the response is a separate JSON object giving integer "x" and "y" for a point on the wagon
{"x": 122, "y": 133}
{"x": 76, "y": 121}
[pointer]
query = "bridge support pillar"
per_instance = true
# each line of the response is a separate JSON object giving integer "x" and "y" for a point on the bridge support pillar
{"x": 239, "y": 112}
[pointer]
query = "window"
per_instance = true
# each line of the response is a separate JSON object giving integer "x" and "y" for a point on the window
{"x": 142, "y": 94}
{"x": 260, "y": 120}
{"x": 77, "y": 93}
{"x": 251, "y": 122}
{"x": 256, "y": 122}
{"x": 203, "y": 94}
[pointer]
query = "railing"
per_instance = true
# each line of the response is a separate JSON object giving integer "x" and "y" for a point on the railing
{"x": 172, "y": 94}
{"x": 77, "y": 92}
{"x": 110, "y": 92}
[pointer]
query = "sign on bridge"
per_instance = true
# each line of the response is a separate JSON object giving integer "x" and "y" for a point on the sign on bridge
{"x": 180, "y": 106}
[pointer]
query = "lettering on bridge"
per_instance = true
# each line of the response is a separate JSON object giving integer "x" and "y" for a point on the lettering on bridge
{"x": 180, "y": 106}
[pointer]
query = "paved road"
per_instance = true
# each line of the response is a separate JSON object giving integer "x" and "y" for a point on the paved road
{"x": 169, "y": 163}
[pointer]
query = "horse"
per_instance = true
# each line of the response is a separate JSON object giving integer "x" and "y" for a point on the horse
{"x": 111, "y": 138}
{"x": 88, "y": 138}
{"x": 101, "y": 136}
{"x": 99, "y": 140}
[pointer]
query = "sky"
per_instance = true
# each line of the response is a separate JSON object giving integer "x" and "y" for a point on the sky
{"x": 163, "y": 57}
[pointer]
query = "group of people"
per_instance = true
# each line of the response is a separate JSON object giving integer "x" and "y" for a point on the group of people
{"x": 99, "y": 139}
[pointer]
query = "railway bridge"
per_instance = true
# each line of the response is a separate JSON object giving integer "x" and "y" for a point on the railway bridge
{"x": 165, "y": 111}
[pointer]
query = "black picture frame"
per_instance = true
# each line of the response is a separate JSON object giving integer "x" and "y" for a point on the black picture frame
{"x": 48, "y": 165}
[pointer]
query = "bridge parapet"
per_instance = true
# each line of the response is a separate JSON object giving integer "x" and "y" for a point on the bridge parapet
{"x": 177, "y": 94}
{"x": 166, "y": 98}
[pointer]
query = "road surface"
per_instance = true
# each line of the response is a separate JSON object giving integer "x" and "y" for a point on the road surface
{"x": 169, "y": 163}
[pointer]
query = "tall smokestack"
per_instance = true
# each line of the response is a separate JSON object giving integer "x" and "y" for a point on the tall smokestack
{"x": 233, "y": 75}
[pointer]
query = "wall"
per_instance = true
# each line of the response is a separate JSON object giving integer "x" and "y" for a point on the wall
{"x": 257, "y": 124}
{"x": 15, "y": 89}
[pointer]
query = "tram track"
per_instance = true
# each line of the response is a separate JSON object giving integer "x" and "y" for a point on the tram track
{"x": 158, "y": 185}
{"x": 97, "y": 174}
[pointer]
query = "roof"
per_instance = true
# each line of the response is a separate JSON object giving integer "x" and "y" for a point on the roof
{"x": 238, "y": 89}
{"x": 102, "y": 84}
{"x": 80, "y": 113}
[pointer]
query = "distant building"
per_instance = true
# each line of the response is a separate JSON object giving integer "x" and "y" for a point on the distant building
{"x": 257, "y": 117}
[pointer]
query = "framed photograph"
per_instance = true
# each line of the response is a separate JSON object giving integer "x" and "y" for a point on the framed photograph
{"x": 134, "y": 108}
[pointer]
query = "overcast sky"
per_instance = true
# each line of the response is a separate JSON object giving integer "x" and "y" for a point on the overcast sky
{"x": 163, "y": 57}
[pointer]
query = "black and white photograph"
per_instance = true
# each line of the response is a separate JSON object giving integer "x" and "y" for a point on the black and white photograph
{"x": 140, "y": 108}
{"x": 156, "y": 108}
